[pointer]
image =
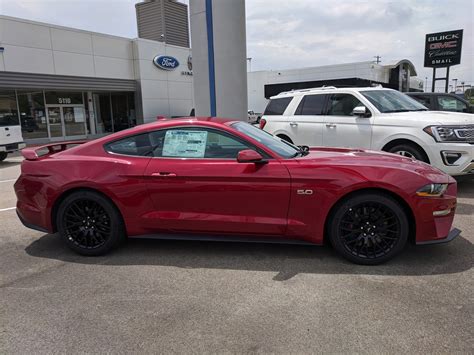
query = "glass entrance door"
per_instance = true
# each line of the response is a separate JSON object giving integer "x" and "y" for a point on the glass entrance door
{"x": 66, "y": 121}
{"x": 74, "y": 121}
{"x": 55, "y": 122}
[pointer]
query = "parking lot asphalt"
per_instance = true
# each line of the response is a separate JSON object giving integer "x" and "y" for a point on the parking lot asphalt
{"x": 192, "y": 297}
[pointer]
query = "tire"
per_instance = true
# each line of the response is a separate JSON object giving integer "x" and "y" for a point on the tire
{"x": 3, "y": 156}
{"x": 89, "y": 223}
{"x": 410, "y": 151}
{"x": 368, "y": 228}
{"x": 286, "y": 138}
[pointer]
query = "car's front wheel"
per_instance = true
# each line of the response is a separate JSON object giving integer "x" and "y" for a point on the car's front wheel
{"x": 89, "y": 223}
{"x": 3, "y": 156}
{"x": 368, "y": 228}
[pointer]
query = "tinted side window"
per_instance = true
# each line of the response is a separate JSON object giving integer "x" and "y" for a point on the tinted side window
{"x": 342, "y": 104}
{"x": 424, "y": 100}
{"x": 448, "y": 103}
{"x": 277, "y": 106}
{"x": 138, "y": 145}
{"x": 311, "y": 105}
{"x": 195, "y": 143}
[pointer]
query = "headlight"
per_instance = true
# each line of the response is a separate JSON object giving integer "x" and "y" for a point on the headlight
{"x": 432, "y": 190}
{"x": 451, "y": 133}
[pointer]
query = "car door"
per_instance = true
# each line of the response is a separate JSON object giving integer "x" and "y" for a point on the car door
{"x": 306, "y": 125}
{"x": 343, "y": 129}
{"x": 197, "y": 185}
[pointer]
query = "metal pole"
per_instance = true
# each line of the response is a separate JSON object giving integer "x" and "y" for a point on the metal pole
{"x": 434, "y": 80}
{"x": 447, "y": 80}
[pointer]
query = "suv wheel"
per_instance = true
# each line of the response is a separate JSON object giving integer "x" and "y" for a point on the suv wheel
{"x": 89, "y": 223}
{"x": 368, "y": 228}
{"x": 410, "y": 151}
{"x": 285, "y": 138}
{"x": 3, "y": 156}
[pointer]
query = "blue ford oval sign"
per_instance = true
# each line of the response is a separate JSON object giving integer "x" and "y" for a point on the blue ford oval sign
{"x": 166, "y": 62}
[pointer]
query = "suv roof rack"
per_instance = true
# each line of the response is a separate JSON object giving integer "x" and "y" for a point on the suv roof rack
{"x": 309, "y": 89}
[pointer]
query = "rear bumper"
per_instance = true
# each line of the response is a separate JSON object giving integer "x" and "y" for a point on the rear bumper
{"x": 12, "y": 147}
{"x": 29, "y": 225}
{"x": 453, "y": 234}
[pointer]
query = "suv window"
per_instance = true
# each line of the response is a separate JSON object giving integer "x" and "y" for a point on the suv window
{"x": 311, "y": 105}
{"x": 449, "y": 103}
{"x": 138, "y": 145}
{"x": 277, "y": 106}
{"x": 424, "y": 100}
{"x": 342, "y": 104}
{"x": 195, "y": 143}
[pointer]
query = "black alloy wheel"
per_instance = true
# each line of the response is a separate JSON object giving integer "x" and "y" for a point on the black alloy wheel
{"x": 89, "y": 223}
{"x": 369, "y": 228}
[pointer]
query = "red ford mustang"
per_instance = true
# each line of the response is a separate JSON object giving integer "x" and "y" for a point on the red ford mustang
{"x": 216, "y": 179}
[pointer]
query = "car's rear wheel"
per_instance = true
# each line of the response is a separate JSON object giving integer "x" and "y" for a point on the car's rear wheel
{"x": 368, "y": 228}
{"x": 89, "y": 223}
{"x": 3, "y": 156}
{"x": 410, "y": 151}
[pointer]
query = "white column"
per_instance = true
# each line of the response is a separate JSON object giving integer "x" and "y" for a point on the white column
{"x": 219, "y": 57}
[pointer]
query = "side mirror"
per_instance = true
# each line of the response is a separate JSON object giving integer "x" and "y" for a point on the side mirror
{"x": 361, "y": 111}
{"x": 250, "y": 156}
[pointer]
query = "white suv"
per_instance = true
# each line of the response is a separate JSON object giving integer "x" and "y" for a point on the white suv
{"x": 373, "y": 118}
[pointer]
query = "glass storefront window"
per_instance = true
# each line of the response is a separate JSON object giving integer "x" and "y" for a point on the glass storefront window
{"x": 114, "y": 111}
{"x": 32, "y": 114}
{"x": 63, "y": 98}
{"x": 8, "y": 109}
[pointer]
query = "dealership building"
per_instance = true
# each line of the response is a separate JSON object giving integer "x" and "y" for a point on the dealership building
{"x": 63, "y": 83}
{"x": 399, "y": 75}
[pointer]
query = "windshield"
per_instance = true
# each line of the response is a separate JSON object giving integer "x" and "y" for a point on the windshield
{"x": 277, "y": 145}
{"x": 388, "y": 101}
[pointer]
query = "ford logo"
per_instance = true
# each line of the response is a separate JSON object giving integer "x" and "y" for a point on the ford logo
{"x": 166, "y": 62}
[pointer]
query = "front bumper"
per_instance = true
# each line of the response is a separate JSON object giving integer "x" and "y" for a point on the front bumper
{"x": 463, "y": 166}
{"x": 453, "y": 234}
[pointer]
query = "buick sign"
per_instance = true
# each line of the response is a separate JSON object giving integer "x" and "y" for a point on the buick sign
{"x": 166, "y": 62}
{"x": 443, "y": 49}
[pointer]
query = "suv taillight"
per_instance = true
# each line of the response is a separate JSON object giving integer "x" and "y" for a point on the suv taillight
{"x": 263, "y": 122}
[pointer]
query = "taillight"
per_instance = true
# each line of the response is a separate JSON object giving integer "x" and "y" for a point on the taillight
{"x": 263, "y": 122}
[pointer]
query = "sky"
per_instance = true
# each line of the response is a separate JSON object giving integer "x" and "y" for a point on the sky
{"x": 284, "y": 34}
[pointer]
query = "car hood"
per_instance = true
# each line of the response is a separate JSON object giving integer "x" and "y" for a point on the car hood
{"x": 433, "y": 117}
{"x": 373, "y": 159}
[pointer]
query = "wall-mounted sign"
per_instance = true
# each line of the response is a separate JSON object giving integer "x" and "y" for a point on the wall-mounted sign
{"x": 443, "y": 49}
{"x": 166, "y": 62}
{"x": 190, "y": 62}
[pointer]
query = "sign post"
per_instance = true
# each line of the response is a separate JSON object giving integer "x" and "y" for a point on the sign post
{"x": 442, "y": 50}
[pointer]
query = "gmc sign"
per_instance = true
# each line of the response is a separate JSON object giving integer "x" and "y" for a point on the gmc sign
{"x": 443, "y": 49}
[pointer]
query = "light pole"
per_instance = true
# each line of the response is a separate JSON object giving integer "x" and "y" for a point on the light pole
{"x": 250, "y": 63}
{"x": 426, "y": 83}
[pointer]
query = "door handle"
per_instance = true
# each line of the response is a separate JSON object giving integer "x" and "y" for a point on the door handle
{"x": 163, "y": 174}
{"x": 293, "y": 124}
{"x": 331, "y": 125}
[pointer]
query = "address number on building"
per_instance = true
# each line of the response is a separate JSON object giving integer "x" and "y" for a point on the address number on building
{"x": 64, "y": 100}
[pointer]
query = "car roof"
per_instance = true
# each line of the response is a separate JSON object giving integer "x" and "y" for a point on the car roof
{"x": 167, "y": 122}
{"x": 327, "y": 89}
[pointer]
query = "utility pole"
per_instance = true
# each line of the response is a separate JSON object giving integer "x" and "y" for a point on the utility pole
{"x": 250, "y": 63}
{"x": 426, "y": 83}
{"x": 378, "y": 59}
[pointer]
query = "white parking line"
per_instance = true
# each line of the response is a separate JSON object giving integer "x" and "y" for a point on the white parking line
{"x": 7, "y": 209}
{"x": 7, "y": 180}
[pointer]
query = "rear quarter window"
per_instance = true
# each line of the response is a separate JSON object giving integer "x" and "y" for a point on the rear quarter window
{"x": 277, "y": 106}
